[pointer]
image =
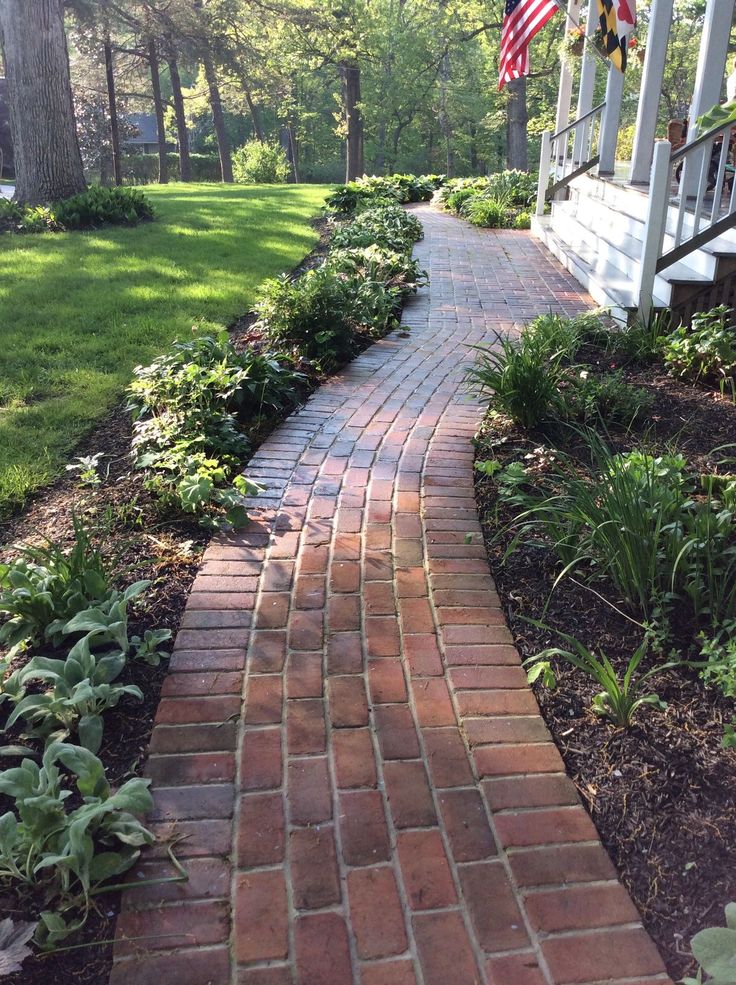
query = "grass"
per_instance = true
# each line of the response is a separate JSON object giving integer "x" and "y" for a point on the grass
{"x": 79, "y": 310}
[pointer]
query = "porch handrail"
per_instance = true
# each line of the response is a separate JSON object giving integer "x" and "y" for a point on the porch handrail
{"x": 698, "y": 170}
{"x": 561, "y": 162}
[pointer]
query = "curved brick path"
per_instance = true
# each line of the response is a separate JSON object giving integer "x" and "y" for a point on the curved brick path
{"x": 384, "y": 806}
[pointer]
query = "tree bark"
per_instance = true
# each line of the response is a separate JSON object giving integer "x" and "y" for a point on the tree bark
{"x": 517, "y": 151}
{"x": 350, "y": 83}
{"x": 218, "y": 118}
{"x": 158, "y": 106}
{"x": 117, "y": 169}
{"x": 255, "y": 115}
{"x": 444, "y": 117}
{"x": 185, "y": 167}
{"x": 48, "y": 164}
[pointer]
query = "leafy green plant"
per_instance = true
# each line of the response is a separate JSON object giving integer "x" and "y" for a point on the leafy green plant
{"x": 606, "y": 399}
{"x": 715, "y": 951}
{"x": 374, "y": 263}
{"x": 620, "y": 697}
{"x": 706, "y": 350}
{"x": 493, "y": 213}
{"x": 388, "y": 226}
{"x": 69, "y": 853}
{"x": 260, "y": 162}
{"x": 100, "y": 206}
{"x": 47, "y": 585}
{"x": 642, "y": 340}
{"x": 88, "y": 467}
{"x": 718, "y": 659}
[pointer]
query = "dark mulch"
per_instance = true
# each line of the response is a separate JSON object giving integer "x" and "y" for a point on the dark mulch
{"x": 662, "y": 794}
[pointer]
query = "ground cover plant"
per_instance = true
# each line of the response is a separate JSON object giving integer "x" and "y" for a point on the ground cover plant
{"x": 499, "y": 201}
{"x": 116, "y": 297}
{"x": 91, "y": 209}
{"x": 612, "y": 539}
{"x": 348, "y": 199}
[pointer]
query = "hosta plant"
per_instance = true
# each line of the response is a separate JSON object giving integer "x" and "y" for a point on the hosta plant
{"x": 715, "y": 951}
{"x": 704, "y": 350}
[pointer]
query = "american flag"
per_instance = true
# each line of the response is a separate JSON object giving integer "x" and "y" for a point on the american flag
{"x": 521, "y": 21}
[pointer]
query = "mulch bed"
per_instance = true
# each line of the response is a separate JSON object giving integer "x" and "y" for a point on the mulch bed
{"x": 662, "y": 794}
{"x": 142, "y": 541}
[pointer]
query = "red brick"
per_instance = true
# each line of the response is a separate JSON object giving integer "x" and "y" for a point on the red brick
{"x": 559, "y": 864}
{"x": 216, "y": 602}
{"x": 397, "y": 735}
{"x": 407, "y": 552}
{"x": 613, "y": 953}
{"x": 472, "y": 703}
{"x": 409, "y": 796}
{"x": 273, "y": 610}
{"x": 204, "y": 767}
{"x": 305, "y": 726}
{"x": 407, "y": 525}
{"x": 195, "y": 967}
{"x": 411, "y": 583}
{"x": 323, "y": 507}
{"x": 346, "y": 547}
{"x": 580, "y": 908}
{"x": 215, "y": 584}
{"x": 466, "y": 825}
{"x": 267, "y": 651}
{"x": 482, "y": 654}
{"x": 386, "y": 681}
{"x": 194, "y": 738}
{"x": 309, "y": 796}
{"x": 173, "y": 927}
{"x": 354, "y": 762}
{"x": 469, "y": 678}
{"x": 506, "y": 760}
{"x": 484, "y": 598}
{"x": 191, "y": 661}
{"x": 304, "y": 675}
{"x": 260, "y": 759}
{"x": 322, "y": 950}
{"x": 475, "y": 635}
{"x": 433, "y": 703}
{"x": 423, "y": 656}
{"x": 388, "y": 973}
{"x": 277, "y": 576}
{"x": 345, "y": 576}
{"x": 208, "y": 878}
{"x": 194, "y": 839}
{"x": 314, "y": 561}
{"x": 407, "y": 502}
{"x": 382, "y": 636}
{"x": 521, "y": 969}
{"x": 425, "y": 870}
{"x": 344, "y": 613}
{"x": 212, "y": 639}
{"x": 544, "y": 827}
{"x": 378, "y": 566}
{"x": 363, "y": 829}
{"x": 539, "y": 790}
{"x": 344, "y": 654}
{"x": 264, "y": 698}
{"x": 447, "y": 757}
{"x": 260, "y": 830}
{"x": 309, "y": 592}
{"x": 261, "y": 916}
{"x": 445, "y": 951}
{"x": 348, "y": 703}
{"x": 376, "y": 914}
{"x": 378, "y": 598}
{"x": 212, "y": 682}
{"x": 194, "y": 711}
{"x": 313, "y": 865}
{"x": 275, "y": 975}
{"x": 306, "y": 630}
{"x": 378, "y": 538}
{"x": 490, "y": 899}
{"x": 416, "y": 615}
{"x": 514, "y": 729}
{"x": 212, "y": 800}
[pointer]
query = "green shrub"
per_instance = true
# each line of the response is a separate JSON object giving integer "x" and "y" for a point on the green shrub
{"x": 388, "y": 226}
{"x": 99, "y": 206}
{"x": 522, "y": 221}
{"x": 489, "y": 212}
{"x": 260, "y": 163}
{"x": 142, "y": 169}
{"x": 718, "y": 659}
{"x": 514, "y": 187}
{"x": 347, "y": 199}
{"x": 607, "y": 399}
{"x": 643, "y": 339}
{"x": 394, "y": 270}
{"x": 706, "y": 350}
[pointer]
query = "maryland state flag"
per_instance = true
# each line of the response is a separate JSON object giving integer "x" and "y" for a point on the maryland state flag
{"x": 617, "y": 21}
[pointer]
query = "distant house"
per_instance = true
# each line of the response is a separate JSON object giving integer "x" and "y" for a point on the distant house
{"x": 146, "y": 140}
{"x": 6, "y": 144}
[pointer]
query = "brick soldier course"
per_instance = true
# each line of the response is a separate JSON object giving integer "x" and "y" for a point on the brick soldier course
{"x": 346, "y": 744}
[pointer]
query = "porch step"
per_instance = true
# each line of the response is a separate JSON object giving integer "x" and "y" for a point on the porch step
{"x": 606, "y": 283}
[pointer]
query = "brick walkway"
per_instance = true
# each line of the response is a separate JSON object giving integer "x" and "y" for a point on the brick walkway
{"x": 385, "y": 806}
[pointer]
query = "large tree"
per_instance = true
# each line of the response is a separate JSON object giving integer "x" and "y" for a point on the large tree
{"x": 48, "y": 164}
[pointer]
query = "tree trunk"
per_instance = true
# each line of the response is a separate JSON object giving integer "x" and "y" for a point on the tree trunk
{"x": 158, "y": 106}
{"x": 185, "y": 167}
{"x": 218, "y": 118}
{"x": 48, "y": 164}
{"x": 444, "y": 118}
{"x": 255, "y": 115}
{"x": 350, "y": 82}
{"x": 117, "y": 169}
{"x": 517, "y": 151}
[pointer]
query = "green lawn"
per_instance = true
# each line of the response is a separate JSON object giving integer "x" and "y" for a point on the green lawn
{"x": 79, "y": 310}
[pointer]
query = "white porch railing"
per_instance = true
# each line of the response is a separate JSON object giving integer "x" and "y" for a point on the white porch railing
{"x": 704, "y": 183}
{"x": 567, "y": 154}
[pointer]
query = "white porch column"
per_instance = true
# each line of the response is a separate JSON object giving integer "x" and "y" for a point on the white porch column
{"x": 709, "y": 76}
{"x": 611, "y": 121}
{"x": 660, "y": 21}
{"x": 564, "y": 95}
{"x": 587, "y": 82}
